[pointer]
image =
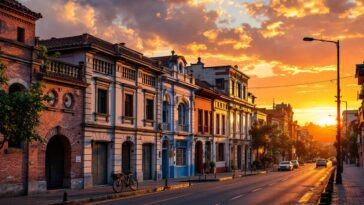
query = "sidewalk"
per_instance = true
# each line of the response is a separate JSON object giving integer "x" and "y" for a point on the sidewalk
{"x": 105, "y": 192}
{"x": 351, "y": 191}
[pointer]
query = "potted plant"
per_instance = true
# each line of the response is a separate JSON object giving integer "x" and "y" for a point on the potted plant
{"x": 213, "y": 167}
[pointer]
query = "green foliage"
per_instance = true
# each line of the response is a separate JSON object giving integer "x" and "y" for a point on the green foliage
{"x": 20, "y": 112}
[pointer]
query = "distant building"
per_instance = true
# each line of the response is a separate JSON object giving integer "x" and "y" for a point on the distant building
{"x": 282, "y": 116}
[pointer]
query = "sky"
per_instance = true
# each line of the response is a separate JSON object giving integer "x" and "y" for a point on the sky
{"x": 264, "y": 38}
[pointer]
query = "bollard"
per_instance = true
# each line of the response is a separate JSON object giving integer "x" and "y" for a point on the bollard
{"x": 166, "y": 183}
{"x": 189, "y": 181}
{"x": 205, "y": 177}
{"x": 65, "y": 196}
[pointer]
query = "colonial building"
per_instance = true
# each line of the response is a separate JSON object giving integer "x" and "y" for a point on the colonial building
{"x": 233, "y": 83}
{"x": 282, "y": 116}
{"x": 121, "y": 100}
{"x": 177, "y": 104}
{"x": 210, "y": 126}
{"x": 56, "y": 162}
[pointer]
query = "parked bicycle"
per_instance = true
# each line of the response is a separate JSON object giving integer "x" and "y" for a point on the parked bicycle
{"x": 123, "y": 180}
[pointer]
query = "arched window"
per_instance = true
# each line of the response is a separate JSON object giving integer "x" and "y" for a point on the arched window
{"x": 165, "y": 112}
{"x": 16, "y": 87}
{"x": 182, "y": 115}
{"x": 180, "y": 67}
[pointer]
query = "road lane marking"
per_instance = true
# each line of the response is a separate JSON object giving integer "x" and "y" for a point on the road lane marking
{"x": 163, "y": 200}
{"x": 271, "y": 184}
{"x": 306, "y": 197}
{"x": 257, "y": 189}
{"x": 237, "y": 197}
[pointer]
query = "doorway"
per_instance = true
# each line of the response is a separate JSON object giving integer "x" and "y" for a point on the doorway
{"x": 99, "y": 163}
{"x": 58, "y": 162}
{"x": 147, "y": 161}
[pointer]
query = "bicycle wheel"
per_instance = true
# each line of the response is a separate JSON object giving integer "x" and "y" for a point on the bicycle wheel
{"x": 133, "y": 183}
{"x": 118, "y": 185}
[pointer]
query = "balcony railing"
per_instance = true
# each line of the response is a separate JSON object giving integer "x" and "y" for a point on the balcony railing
{"x": 60, "y": 69}
{"x": 183, "y": 128}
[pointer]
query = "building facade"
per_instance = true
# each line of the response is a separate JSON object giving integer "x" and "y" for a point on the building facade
{"x": 359, "y": 74}
{"x": 56, "y": 162}
{"x": 234, "y": 84}
{"x": 121, "y": 100}
{"x": 177, "y": 104}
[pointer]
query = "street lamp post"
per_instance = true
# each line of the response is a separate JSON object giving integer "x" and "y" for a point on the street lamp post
{"x": 346, "y": 127}
{"x": 338, "y": 134}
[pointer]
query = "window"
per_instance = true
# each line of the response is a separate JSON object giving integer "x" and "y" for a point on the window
{"x": 199, "y": 120}
{"x": 239, "y": 90}
{"x": 220, "y": 155}
{"x": 232, "y": 87}
{"x": 206, "y": 122}
{"x": 244, "y": 92}
{"x": 223, "y": 124}
{"x": 128, "y": 106}
{"x": 180, "y": 67}
{"x": 101, "y": 101}
{"x": 181, "y": 156}
{"x": 149, "y": 109}
{"x": 182, "y": 114}
{"x": 165, "y": 112}
{"x": 220, "y": 83}
{"x": 218, "y": 124}
{"x": 21, "y": 35}
{"x": 16, "y": 87}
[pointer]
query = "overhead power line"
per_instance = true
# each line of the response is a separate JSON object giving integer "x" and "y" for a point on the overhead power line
{"x": 298, "y": 84}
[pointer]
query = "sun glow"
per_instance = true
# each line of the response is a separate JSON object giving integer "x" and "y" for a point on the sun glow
{"x": 326, "y": 120}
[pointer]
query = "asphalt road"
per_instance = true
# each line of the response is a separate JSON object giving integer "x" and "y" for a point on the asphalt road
{"x": 290, "y": 187}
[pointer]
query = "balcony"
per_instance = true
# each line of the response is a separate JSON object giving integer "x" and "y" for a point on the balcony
{"x": 182, "y": 128}
{"x": 187, "y": 78}
{"x": 57, "y": 69}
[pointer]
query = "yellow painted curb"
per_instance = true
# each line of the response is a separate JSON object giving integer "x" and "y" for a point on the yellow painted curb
{"x": 225, "y": 178}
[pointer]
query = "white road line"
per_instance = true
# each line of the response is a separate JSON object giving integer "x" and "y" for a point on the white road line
{"x": 271, "y": 184}
{"x": 237, "y": 197}
{"x": 257, "y": 189}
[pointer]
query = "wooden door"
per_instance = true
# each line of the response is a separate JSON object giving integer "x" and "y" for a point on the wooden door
{"x": 126, "y": 157}
{"x": 99, "y": 163}
{"x": 165, "y": 160}
{"x": 55, "y": 163}
{"x": 198, "y": 157}
{"x": 147, "y": 161}
{"x": 239, "y": 157}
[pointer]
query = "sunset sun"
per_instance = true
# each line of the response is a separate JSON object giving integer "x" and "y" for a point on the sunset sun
{"x": 326, "y": 120}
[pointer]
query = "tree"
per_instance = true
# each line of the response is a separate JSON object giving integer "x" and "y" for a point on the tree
{"x": 301, "y": 149}
{"x": 263, "y": 137}
{"x": 20, "y": 112}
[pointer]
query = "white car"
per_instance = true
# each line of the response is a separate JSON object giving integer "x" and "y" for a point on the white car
{"x": 285, "y": 165}
{"x": 321, "y": 163}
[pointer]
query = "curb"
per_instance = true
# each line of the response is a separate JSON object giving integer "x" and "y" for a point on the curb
{"x": 148, "y": 190}
{"x": 312, "y": 197}
{"x": 122, "y": 195}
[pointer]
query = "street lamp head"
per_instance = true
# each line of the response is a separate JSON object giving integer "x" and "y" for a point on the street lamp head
{"x": 308, "y": 39}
